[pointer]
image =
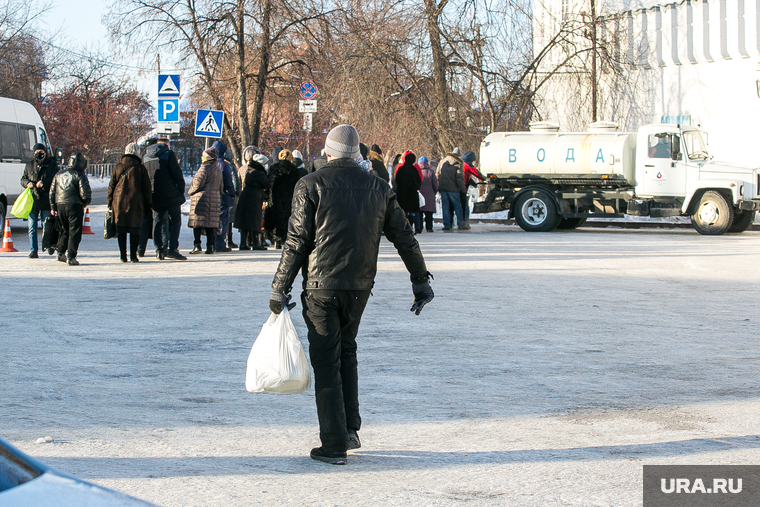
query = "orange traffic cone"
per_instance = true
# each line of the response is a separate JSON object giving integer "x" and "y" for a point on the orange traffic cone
{"x": 8, "y": 239}
{"x": 86, "y": 229}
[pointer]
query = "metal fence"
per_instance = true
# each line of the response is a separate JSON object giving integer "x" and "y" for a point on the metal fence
{"x": 100, "y": 170}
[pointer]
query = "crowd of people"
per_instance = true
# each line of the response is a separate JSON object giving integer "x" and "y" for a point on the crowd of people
{"x": 147, "y": 190}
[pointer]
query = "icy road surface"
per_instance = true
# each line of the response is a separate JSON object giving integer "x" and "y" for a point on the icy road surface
{"x": 547, "y": 371}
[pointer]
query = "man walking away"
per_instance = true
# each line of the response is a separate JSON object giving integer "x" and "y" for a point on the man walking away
{"x": 344, "y": 210}
{"x": 69, "y": 194}
{"x": 168, "y": 197}
{"x": 38, "y": 175}
{"x": 451, "y": 185}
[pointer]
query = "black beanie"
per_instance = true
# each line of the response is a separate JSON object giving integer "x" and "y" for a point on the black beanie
{"x": 363, "y": 150}
{"x": 376, "y": 149}
{"x": 39, "y": 146}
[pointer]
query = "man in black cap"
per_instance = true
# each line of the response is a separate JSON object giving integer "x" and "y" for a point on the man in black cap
{"x": 344, "y": 210}
{"x": 38, "y": 176}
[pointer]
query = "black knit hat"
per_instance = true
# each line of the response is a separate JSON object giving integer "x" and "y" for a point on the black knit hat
{"x": 376, "y": 149}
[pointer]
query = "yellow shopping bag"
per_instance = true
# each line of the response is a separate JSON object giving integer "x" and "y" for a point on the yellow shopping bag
{"x": 23, "y": 205}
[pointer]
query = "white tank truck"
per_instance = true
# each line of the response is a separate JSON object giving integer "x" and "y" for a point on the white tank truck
{"x": 549, "y": 179}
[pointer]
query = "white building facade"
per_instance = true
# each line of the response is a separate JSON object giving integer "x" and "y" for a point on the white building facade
{"x": 692, "y": 62}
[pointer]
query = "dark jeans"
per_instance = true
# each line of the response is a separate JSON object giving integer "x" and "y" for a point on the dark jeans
{"x": 332, "y": 318}
{"x": 168, "y": 223}
{"x": 32, "y": 224}
{"x": 145, "y": 231}
{"x": 449, "y": 201}
{"x": 465, "y": 201}
{"x": 414, "y": 221}
{"x": 70, "y": 218}
{"x": 428, "y": 220}
{"x": 224, "y": 219}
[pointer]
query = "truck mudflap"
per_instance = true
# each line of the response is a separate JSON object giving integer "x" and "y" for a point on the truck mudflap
{"x": 750, "y": 205}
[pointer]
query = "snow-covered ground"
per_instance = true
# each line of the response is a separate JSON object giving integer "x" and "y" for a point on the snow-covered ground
{"x": 547, "y": 371}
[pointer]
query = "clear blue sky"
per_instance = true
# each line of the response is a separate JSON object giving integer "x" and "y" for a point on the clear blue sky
{"x": 80, "y": 21}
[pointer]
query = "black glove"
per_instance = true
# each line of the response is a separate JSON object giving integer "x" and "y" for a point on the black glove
{"x": 423, "y": 294}
{"x": 278, "y": 301}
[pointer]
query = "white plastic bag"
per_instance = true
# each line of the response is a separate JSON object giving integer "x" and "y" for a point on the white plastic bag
{"x": 421, "y": 198}
{"x": 277, "y": 362}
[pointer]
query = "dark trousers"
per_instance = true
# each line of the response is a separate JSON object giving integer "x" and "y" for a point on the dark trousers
{"x": 70, "y": 218}
{"x": 167, "y": 225}
{"x": 428, "y": 220}
{"x": 224, "y": 220}
{"x": 332, "y": 318}
{"x": 147, "y": 224}
{"x": 210, "y": 234}
{"x": 134, "y": 240}
{"x": 414, "y": 222}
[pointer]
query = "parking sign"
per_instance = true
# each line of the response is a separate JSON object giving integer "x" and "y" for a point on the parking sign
{"x": 168, "y": 110}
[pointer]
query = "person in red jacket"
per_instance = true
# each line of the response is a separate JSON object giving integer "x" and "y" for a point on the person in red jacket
{"x": 471, "y": 177}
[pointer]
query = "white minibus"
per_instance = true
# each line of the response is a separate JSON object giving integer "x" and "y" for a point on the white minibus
{"x": 20, "y": 128}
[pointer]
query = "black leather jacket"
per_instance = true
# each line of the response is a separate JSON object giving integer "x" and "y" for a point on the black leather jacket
{"x": 70, "y": 187}
{"x": 337, "y": 218}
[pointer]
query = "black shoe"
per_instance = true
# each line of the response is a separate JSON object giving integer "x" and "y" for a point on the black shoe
{"x": 196, "y": 250}
{"x": 278, "y": 244}
{"x": 141, "y": 252}
{"x": 124, "y": 258}
{"x": 209, "y": 249}
{"x": 446, "y": 229}
{"x": 61, "y": 257}
{"x": 224, "y": 249}
{"x": 73, "y": 262}
{"x": 231, "y": 245}
{"x": 160, "y": 255}
{"x": 244, "y": 247}
{"x": 33, "y": 255}
{"x": 174, "y": 254}
{"x": 334, "y": 458}
{"x": 51, "y": 251}
{"x": 353, "y": 440}
{"x": 429, "y": 230}
{"x": 259, "y": 247}
{"x": 134, "y": 259}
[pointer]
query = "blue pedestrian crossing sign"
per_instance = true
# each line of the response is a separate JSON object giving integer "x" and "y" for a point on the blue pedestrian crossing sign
{"x": 168, "y": 85}
{"x": 168, "y": 110}
{"x": 209, "y": 123}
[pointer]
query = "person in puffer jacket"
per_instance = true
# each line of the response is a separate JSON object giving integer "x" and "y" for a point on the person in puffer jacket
{"x": 338, "y": 216}
{"x": 69, "y": 193}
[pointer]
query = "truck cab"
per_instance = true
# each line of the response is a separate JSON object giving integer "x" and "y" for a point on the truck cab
{"x": 673, "y": 166}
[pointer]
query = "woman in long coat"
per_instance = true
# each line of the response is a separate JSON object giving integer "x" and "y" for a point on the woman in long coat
{"x": 406, "y": 185}
{"x": 129, "y": 196}
{"x": 206, "y": 201}
{"x": 428, "y": 190}
{"x": 255, "y": 185}
{"x": 284, "y": 176}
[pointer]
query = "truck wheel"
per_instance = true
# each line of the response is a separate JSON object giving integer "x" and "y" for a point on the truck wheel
{"x": 742, "y": 221}
{"x": 571, "y": 223}
{"x": 713, "y": 215}
{"x": 535, "y": 211}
